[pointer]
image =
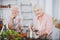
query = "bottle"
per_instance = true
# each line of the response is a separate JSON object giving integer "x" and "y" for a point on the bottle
{"x": 28, "y": 33}
{"x": 1, "y": 24}
{"x": 31, "y": 33}
{"x": 5, "y": 27}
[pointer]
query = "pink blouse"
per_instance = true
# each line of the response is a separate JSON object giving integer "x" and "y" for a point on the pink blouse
{"x": 44, "y": 25}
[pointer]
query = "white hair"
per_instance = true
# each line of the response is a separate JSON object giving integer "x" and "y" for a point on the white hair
{"x": 15, "y": 7}
{"x": 38, "y": 7}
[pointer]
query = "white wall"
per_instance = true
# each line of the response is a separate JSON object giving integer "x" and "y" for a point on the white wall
{"x": 0, "y": 9}
{"x": 58, "y": 9}
{"x": 48, "y": 7}
{"x": 56, "y": 14}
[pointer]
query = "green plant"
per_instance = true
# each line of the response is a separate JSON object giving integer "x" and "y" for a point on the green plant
{"x": 17, "y": 38}
{"x": 10, "y": 34}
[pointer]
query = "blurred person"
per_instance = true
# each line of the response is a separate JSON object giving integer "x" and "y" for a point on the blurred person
{"x": 15, "y": 21}
{"x": 42, "y": 23}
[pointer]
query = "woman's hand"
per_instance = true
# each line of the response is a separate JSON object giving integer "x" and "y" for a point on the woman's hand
{"x": 19, "y": 25}
{"x": 39, "y": 33}
{"x": 19, "y": 20}
{"x": 13, "y": 15}
{"x": 14, "y": 12}
{"x": 29, "y": 26}
{"x": 42, "y": 33}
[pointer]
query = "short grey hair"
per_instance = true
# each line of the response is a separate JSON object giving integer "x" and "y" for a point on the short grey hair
{"x": 38, "y": 7}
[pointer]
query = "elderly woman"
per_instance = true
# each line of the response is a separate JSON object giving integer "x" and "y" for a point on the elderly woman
{"x": 42, "y": 24}
{"x": 15, "y": 22}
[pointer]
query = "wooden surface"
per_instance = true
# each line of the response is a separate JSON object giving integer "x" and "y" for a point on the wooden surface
{"x": 57, "y": 25}
{"x": 5, "y": 6}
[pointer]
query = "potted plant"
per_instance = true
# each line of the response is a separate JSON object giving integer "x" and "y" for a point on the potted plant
{"x": 10, "y": 35}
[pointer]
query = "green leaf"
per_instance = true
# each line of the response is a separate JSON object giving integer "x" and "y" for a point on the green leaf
{"x": 17, "y": 38}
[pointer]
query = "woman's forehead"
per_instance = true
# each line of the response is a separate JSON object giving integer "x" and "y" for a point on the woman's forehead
{"x": 36, "y": 7}
{"x": 15, "y": 8}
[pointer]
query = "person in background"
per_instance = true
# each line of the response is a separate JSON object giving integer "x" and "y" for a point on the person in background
{"x": 42, "y": 24}
{"x": 15, "y": 21}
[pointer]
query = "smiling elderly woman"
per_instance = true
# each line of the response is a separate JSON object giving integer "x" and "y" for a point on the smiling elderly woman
{"x": 15, "y": 22}
{"x": 42, "y": 24}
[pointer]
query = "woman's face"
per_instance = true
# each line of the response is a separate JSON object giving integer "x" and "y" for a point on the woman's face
{"x": 15, "y": 12}
{"x": 38, "y": 12}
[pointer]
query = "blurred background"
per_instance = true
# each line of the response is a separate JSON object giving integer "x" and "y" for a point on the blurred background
{"x": 51, "y": 7}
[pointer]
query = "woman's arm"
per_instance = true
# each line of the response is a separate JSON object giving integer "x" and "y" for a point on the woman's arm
{"x": 19, "y": 24}
{"x": 10, "y": 24}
